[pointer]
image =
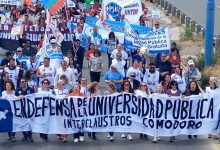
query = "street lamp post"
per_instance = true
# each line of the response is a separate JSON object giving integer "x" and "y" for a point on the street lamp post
{"x": 209, "y": 31}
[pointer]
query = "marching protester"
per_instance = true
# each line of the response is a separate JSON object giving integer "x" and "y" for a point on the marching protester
{"x": 166, "y": 82}
{"x": 192, "y": 73}
{"x": 111, "y": 89}
{"x": 9, "y": 90}
{"x": 126, "y": 88}
{"x": 113, "y": 75}
{"x": 47, "y": 71}
{"x": 13, "y": 71}
{"x": 79, "y": 136}
{"x": 179, "y": 77}
{"x": 120, "y": 63}
{"x": 93, "y": 90}
{"x": 173, "y": 91}
{"x": 23, "y": 90}
{"x": 111, "y": 44}
{"x": 143, "y": 91}
{"x": 62, "y": 92}
{"x": 193, "y": 89}
{"x": 45, "y": 87}
{"x": 96, "y": 66}
{"x": 135, "y": 68}
{"x": 151, "y": 77}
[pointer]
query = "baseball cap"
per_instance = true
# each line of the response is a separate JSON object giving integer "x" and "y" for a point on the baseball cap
{"x": 191, "y": 62}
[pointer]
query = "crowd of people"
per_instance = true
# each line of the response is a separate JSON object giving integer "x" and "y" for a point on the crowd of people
{"x": 129, "y": 72}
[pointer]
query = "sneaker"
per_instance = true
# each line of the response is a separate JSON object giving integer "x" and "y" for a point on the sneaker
{"x": 108, "y": 135}
{"x": 195, "y": 136}
{"x": 13, "y": 139}
{"x": 111, "y": 139}
{"x": 81, "y": 139}
{"x": 64, "y": 140}
{"x": 76, "y": 140}
{"x": 155, "y": 139}
{"x": 123, "y": 135}
{"x": 9, "y": 138}
{"x": 209, "y": 136}
{"x": 129, "y": 137}
{"x": 189, "y": 136}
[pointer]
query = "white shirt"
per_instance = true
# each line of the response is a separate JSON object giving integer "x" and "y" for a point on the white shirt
{"x": 69, "y": 74}
{"x": 120, "y": 65}
{"x": 151, "y": 79}
{"x": 124, "y": 54}
{"x": 180, "y": 80}
{"x": 48, "y": 72}
{"x": 12, "y": 74}
{"x": 137, "y": 71}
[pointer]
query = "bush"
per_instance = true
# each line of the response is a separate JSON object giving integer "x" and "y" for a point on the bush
{"x": 187, "y": 33}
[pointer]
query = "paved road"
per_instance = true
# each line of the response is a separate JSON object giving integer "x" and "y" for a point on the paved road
{"x": 182, "y": 143}
{"x": 196, "y": 9}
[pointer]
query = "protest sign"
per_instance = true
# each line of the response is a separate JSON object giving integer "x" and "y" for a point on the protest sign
{"x": 115, "y": 10}
{"x": 18, "y": 30}
{"x": 155, "y": 41}
{"x": 156, "y": 115}
{"x": 11, "y": 2}
{"x": 10, "y": 42}
{"x": 110, "y": 26}
{"x": 155, "y": 14}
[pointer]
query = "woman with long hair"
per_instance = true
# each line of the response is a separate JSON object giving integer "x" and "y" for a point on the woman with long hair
{"x": 193, "y": 89}
{"x": 173, "y": 91}
{"x": 126, "y": 88}
{"x": 143, "y": 91}
{"x": 111, "y": 89}
{"x": 93, "y": 90}
{"x": 9, "y": 90}
{"x": 79, "y": 136}
{"x": 166, "y": 82}
{"x": 31, "y": 79}
{"x": 45, "y": 87}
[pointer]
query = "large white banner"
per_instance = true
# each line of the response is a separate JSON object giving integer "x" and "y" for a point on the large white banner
{"x": 113, "y": 9}
{"x": 11, "y": 2}
{"x": 157, "y": 115}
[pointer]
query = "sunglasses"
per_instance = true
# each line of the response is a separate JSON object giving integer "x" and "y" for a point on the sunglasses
{"x": 133, "y": 76}
{"x": 45, "y": 83}
{"x": 23, "y": 81}
{"x": 112, "y": 68}
{"x": 18, "y": 51}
